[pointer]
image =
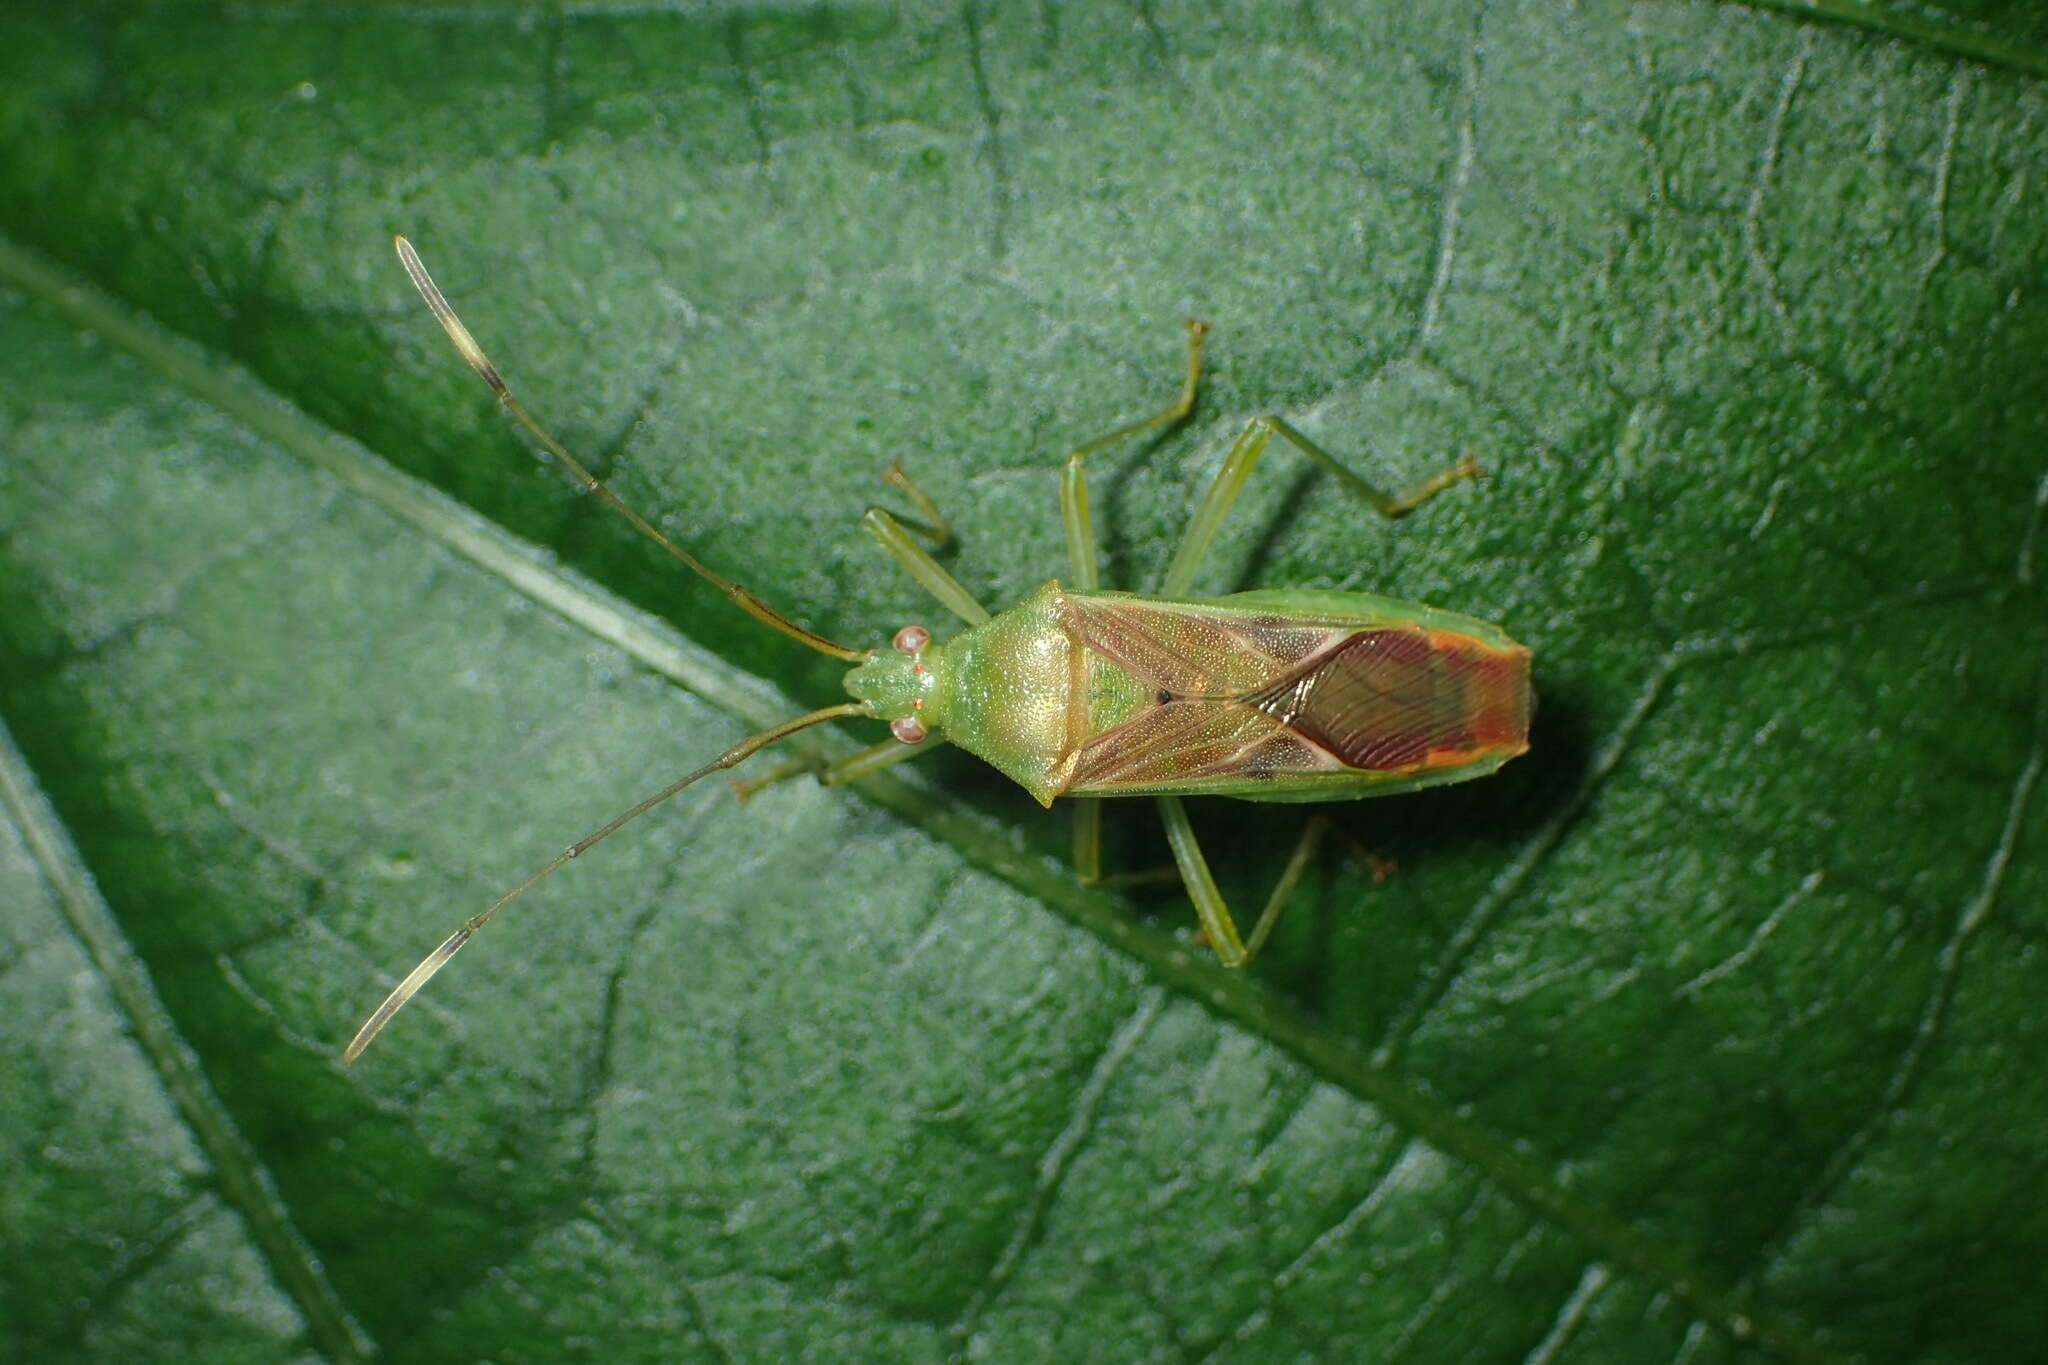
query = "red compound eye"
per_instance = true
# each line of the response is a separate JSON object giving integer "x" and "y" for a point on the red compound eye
{"x": 908, "y": 729}
{"x": 912, "y": 639}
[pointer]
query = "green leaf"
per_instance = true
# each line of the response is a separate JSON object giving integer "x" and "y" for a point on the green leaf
{"x": 1709, "y": 1030}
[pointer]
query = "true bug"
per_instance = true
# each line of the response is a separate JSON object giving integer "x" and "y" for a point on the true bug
{"x": 1274, "y": 695}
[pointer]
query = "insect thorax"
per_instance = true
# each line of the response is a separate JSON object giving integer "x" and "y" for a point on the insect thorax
{"x": 1003, "y": 691}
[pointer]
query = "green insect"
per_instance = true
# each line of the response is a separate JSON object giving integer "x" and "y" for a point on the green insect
{"x": 1274, "y": 695}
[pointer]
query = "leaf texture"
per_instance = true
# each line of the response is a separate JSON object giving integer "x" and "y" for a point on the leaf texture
{"x": 1709, "y": 1030}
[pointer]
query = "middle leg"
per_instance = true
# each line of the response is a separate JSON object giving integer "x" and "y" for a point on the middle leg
{"x": 1237, "y": 468}
{"x": 1080, "y": 523}
{"x": 1083, "y": 574}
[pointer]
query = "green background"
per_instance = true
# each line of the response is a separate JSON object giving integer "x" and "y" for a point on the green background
{"x": 1711, "y": 1030}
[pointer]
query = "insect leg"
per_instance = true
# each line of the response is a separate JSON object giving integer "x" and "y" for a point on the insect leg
{"x": 1387, "y": 505}
{"x": 1283, "y": 890}
{"x": 895, "y": 536}
{"x": 1074, "y": 514}
{"x": 1088, "y": 842}
{"x": 916, "y": 562}
{"x": 876, "y": 757}
{"x": 1237, "y": 468}
{"x": 1217, "y": 925}
{"x": 1083, "y": 556}
{"x": 934, "y": 528}
{"x": 1088, "y": 854}
{"x": 1219, "y": 929}
{"x": 841, "y": 771}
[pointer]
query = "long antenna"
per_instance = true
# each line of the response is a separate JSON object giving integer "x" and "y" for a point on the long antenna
{"x": 436, "y": 960}
{"x": 481, "y": 363}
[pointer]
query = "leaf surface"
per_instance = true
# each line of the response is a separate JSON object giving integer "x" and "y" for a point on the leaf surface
{"x": 1709, "y": 1030}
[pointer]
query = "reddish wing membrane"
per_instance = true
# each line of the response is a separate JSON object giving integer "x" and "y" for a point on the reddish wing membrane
{"x": 1402, "y": 700}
